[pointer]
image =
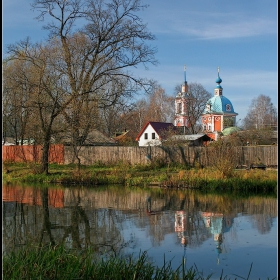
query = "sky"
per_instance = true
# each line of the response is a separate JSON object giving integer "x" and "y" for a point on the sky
{"x": 239, "y": 37}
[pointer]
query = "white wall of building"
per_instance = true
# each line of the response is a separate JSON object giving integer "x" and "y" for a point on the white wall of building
{"x": 149, "y": 141}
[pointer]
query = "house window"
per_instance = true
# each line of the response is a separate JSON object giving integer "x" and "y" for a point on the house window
{"x": 209, "y": 127}
{"x": 204, "y": 127}
{"x": 153, "y": 135}
{"x": 146, "y": 136}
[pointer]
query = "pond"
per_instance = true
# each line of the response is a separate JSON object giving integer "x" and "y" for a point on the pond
{"x": 219, "y": 234}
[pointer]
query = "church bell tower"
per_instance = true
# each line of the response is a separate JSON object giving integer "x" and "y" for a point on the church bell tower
{"x": 183, "y": 101}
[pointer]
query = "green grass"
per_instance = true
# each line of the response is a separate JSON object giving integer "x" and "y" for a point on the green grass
{"x": 61, "y": 263}
{"x": 142, "y": 176}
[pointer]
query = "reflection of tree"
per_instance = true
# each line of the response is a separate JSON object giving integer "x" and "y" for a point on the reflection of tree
{"x": 262, "y": 222}
{"x": 14, "y": 225}
{"x": 96, "y": 218}
{"x": 46, "y": 215}
{"x": 108, "y": 233}
{"x": 101, "y": 232}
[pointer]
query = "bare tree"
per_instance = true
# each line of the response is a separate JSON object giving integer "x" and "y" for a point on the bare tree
{"x": 92, "y": 62}
{"x": 261, "y": 114}
{"x": 222, "y": 156}
{"x": 16, "y": 91}
{"x": 160, "y": 108}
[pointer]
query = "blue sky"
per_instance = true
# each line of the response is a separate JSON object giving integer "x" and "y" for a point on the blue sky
{"x": 238, "y": 36}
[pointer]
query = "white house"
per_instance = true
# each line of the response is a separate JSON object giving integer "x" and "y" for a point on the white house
{"x": 153, "y": 133}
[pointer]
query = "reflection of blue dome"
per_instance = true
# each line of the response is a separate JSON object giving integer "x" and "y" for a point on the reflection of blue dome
{"x": 227, "y": 224}
{"x": 219, "y": 104}
{"x": 218, "y": 249}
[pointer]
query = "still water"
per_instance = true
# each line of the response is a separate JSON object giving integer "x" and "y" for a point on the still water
{"x": 220, "y": 234}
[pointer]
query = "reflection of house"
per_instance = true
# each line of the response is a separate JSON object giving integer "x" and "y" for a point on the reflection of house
{"x": 153, "y": 133}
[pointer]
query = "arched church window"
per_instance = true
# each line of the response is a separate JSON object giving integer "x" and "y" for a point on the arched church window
{"x": 180, "y": 108}
{"x": 228, "y": 107}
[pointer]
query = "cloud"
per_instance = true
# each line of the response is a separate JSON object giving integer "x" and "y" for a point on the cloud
{"x": 234, "y": 29}
{"x": 213, "y": 26}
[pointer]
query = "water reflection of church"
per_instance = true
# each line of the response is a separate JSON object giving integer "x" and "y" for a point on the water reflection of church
{"x": 181, "y": 226}
{"x": 218, "y": 224}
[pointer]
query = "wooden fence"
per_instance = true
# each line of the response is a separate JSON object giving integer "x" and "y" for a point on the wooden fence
{"x": 32, "y": 153}
{"x": 138, "y": 155}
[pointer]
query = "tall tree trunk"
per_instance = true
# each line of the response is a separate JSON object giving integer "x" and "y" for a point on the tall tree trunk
{"x": 45, "y": 156}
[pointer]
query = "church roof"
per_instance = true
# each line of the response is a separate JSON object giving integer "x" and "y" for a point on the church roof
{"x": 219, "y": 104}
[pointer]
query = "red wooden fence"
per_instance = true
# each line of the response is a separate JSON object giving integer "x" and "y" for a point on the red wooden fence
{"x": 32, "y": 153}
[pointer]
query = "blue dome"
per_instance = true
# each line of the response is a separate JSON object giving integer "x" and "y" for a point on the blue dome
{"x": 218, "y": 80}
{"x": 219, "y": 104}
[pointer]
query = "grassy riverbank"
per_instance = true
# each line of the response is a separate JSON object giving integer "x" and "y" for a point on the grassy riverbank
{"x": 61, "y": 263}
{"x": 145, "y": 176}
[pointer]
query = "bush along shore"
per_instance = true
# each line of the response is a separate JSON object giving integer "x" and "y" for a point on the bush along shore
{"x": 213, "y": 179}
{"x": 57, "y": 262}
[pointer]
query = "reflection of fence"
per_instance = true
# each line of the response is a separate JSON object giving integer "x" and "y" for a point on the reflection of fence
{"x": 32, "y": 196}
{"x": 138, "y": 155}
{"x": 32, "y": 153}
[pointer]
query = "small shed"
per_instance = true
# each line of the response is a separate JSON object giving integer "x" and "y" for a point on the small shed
{"x": 192, "y": 139}
{"x": 126, "y": 138}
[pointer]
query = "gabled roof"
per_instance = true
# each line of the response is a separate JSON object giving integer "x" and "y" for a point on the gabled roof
{"x": 127, "y": 136}
{"x": 121, "y": 136}
{"x": 157, "y": 126}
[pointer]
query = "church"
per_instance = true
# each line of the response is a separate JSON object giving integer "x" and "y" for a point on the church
{"x": 217, "y": 115}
